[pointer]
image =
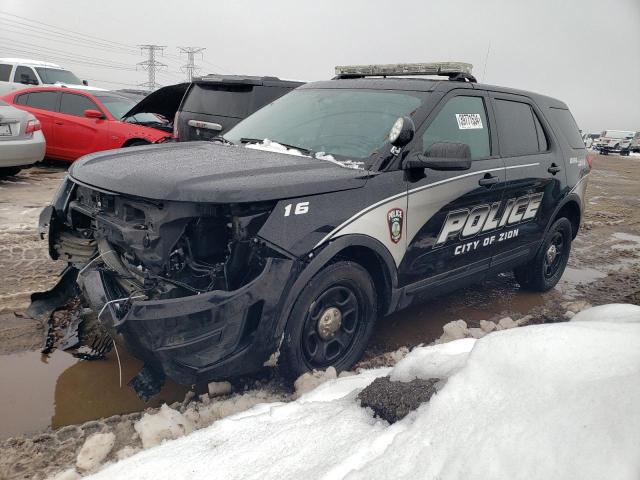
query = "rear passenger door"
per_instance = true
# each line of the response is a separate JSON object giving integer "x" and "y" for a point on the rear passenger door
{"x": 450, "y": 213}
{"x": 43, "y": 104}
{"x": 77, "y": 134}
{"x": 535, "y": 175}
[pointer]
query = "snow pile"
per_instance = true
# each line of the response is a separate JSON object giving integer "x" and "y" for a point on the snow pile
{"x": 166, "y": 424}
{"x": 557, "y": 401}
{"x": 308, "y": 381}
{"x": 69, "y": 474}
{"x": 203, "y": 414}
{"x": 439, "y": 361}
{"x": 95, "y": 450}
{"x": 218, "y": 389}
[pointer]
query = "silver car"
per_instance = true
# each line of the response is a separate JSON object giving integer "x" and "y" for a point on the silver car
{"x": 21, "y": 140}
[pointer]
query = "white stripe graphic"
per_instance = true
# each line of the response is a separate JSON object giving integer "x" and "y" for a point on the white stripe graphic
{"x": 409, "y": 192}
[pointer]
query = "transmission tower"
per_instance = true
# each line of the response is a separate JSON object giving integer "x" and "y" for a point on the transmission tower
{"x": 151, "y": 65}
{"x": 190, "y": 68}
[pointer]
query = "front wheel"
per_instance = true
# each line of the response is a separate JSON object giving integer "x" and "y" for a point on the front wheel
{"x": 331, "y": 321}
{"x": 544, "y": 271}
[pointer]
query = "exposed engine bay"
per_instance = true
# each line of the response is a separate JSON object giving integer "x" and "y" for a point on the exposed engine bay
{"x": 162, "y": 249}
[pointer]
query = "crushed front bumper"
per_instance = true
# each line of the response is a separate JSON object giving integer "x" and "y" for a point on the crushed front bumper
{"x": 197, "y": 338}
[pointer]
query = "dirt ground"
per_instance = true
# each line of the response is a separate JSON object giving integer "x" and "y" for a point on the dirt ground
{"x": 41, "y": 395}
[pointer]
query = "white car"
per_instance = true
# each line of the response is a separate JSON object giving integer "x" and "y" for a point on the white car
{"x": 17, "y": 73}
{"x": 615, "y": 141}
{"x": 21, "y": 140}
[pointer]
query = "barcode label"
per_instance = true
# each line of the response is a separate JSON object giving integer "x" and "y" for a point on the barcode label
{"x": 468, "y": 120}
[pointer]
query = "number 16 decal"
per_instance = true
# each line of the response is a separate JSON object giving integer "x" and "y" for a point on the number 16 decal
{"x": 300, "y": 209}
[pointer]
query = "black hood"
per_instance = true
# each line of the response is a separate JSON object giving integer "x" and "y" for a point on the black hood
{"x": 208, "y": 172}
{"x": 164, "y": 101}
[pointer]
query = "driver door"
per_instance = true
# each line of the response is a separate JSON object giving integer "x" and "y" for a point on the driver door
{"x": 453, "y": 215}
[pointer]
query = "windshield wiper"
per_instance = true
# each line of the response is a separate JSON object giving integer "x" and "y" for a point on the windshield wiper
{"x": 304, "y": 150}
{"x": 220, "y": 138}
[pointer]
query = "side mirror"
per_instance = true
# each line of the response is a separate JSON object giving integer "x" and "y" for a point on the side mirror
{"x": 85, "y": 83}
{"x": 402, "y": 132}
{"x": 443, "y": 156}
{"x": 93, "y": 114}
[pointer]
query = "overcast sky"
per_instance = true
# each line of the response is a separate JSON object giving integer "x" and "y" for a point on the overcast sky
{"x": 584, "y": 52}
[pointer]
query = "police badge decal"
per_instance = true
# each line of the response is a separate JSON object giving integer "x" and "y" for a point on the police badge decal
{"x": 394, "y": 219}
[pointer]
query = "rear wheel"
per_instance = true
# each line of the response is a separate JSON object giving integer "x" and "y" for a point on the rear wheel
{"x": 8, "y": 171}
{"x": 545, "y": 270}
{"x": 331, "y": 321}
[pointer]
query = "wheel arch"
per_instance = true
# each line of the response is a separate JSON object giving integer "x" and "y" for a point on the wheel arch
{"x": 571, "y": 209}
{"x": 366, "y": 251}
{"x": 135, "y": 139}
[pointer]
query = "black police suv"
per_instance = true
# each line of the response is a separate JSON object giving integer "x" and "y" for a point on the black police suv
{"x": 330, "y": 207}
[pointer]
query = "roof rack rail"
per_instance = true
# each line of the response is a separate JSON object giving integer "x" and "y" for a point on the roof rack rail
{"x": 458, "y": 71}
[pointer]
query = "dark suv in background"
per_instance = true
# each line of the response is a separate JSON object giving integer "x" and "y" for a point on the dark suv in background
{"x": 213, "y": 104}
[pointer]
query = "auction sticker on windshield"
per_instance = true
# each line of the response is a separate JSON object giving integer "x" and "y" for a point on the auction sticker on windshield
{"x": 468, "y": 120}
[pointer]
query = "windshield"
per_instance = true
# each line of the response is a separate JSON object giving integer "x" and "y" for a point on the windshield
{"x": 118, "y": 106}
{"x": 341, "y": 122}
{"x": 53, "y": 75}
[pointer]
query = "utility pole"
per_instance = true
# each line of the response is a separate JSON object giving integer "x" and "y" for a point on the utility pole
{"x": 190, "y": 68}
{"x": 151, "y": 65}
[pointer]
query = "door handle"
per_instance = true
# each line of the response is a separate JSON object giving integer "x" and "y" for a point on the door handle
{"x": 488, "y": 180}
{"x": 59, "y": 123}
{"x": 553, "y": 169}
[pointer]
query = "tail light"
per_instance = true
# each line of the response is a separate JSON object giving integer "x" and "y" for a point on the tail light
{"x": 589, "y": 160}
{"x": 175, "y": 125}
{"x": 33, "y": 126}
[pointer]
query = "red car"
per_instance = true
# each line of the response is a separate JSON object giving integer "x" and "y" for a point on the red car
{"x": 78, "y": 122}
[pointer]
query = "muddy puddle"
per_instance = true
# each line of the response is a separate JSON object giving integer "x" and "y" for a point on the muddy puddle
{"x": 39, "y": 391}
{"x": 422, "y": 323}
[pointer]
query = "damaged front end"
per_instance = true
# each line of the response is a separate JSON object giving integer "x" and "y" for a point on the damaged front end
{"x": 191, "y": 286}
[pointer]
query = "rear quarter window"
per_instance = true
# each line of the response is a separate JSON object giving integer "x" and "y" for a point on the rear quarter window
{"x": 563, "y": 119}
{"x": 221, "y": 100}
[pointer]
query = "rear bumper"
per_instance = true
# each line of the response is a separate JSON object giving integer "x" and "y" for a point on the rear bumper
{"x": 18, "y": 153}
{"x": 198, "y": 338}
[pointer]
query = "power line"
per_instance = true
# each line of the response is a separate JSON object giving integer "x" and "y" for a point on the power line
{"x": 190, "y": 67}
{"x": 66, "y": 31}
{"x": 151, "y": 65}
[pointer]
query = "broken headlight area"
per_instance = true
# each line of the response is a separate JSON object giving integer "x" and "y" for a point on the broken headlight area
{"x": 162, "y": 249}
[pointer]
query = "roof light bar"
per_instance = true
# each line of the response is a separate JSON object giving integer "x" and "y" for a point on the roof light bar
{"x": 400, "y": 69}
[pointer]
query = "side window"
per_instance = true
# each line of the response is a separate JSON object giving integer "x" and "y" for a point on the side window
{"x": 73, "y": 104}
{"x": 43, "y": 100}
{"x": 543, "y": 145}
{"x": 5, "y": 72}
{"x": 516, "y": 128}
{"x": 461, "y": 120}
{"x": 25, "y": 75}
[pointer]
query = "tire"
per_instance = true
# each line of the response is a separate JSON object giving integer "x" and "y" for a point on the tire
{"x": 137, "y": 143}
{"x": 9, "y": 171}
{"x": 316, "y": 337}
{"x": 545, "y": 270}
